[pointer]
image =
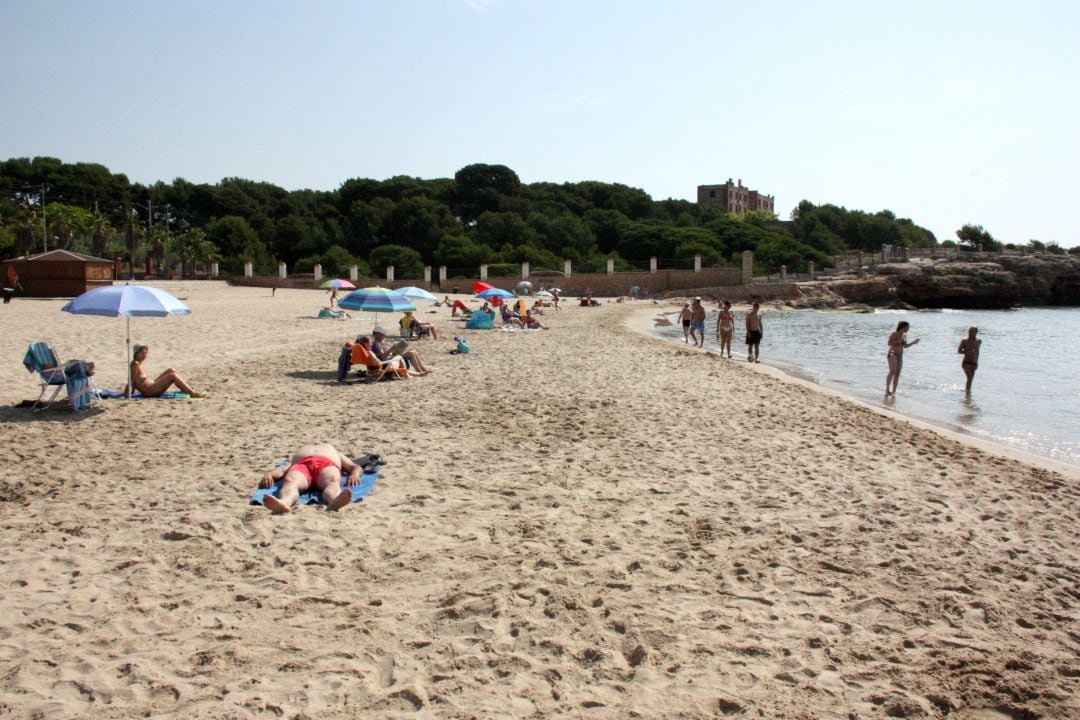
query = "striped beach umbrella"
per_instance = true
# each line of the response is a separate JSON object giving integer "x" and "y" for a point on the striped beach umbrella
{"x": 416, "y": 293}
{"x": 376, "y": 300}
{"x": 339, "y": 284}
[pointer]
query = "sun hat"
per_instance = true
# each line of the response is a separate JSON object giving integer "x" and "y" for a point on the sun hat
{"x": 378, "y": 331}
{"x": 136, "y": 348}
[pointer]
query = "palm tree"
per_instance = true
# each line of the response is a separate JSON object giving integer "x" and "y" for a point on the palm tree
{"x": 100, "y": 230}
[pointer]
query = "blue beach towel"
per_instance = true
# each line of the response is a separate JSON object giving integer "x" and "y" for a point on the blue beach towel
{"x": 106, "y": 394}
{"x": 313, "y": 497}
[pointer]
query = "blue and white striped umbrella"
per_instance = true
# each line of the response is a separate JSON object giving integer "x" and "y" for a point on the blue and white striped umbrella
{"x": 493, "y": 293}
{"x": 416, "y": 293}
{"x": 376, "y": 300}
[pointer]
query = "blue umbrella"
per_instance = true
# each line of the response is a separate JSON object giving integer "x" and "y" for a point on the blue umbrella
{"x": 127, "y": 300}
{"x": 376, "y": 300}
{"x": 492, "y": 293}
{"x": 416, "y": 293}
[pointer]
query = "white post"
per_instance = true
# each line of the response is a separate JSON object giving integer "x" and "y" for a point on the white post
{"x": 427, "y": 274}
{"x": 354, "y": 273}
{"x": 524, "y": 271}
{"x": 213, "y": 269}
{"x": 652, "y": 264}
{"x": 697, "y": 263}
{"x": 389, "y": 273}
{"x": 442, "y": 275}
{"x": 611, "y": 266}
{"x": 783, "y": 273}
{"x": 810, "y": 269}
{"x": 281, "y": 271}
{"x": 247, "y": 269}
{"x": 483, "y": 272}
{"x": 566, "y": 268}
{"x": 318, "y": 272}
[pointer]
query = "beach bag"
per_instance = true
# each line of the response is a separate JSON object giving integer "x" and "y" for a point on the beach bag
{"x": 462, "y": 346}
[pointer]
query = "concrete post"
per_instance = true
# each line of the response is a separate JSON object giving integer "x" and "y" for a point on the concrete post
{"x": 810, "y": 269}
{"x": 354, "y": 273}
{"x": 427, "y": 275}
{"x": 611, "y": 266}
{"x": 389, "y": 273}
{"x": 442, "y": 275}
{"x": 566, "y": 268}
{"x": 697, "y": 263}
{"x": 860, "y": 258}
{"x": 483, "y": 272}
{"x": 524, "y": 271}
{"x": 281, "y": 271}
{"x": 213, "y": 269}
{"x": 748, "y": 267}
{"x": 652, "y": 265}
{"x": 783, "y": 273}
{"x": 247, "y": 269}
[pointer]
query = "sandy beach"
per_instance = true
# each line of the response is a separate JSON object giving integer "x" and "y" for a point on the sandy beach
{"x": 582, "y": 522}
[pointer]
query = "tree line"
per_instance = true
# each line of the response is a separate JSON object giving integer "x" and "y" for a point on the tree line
{"x": 483, "y": 215}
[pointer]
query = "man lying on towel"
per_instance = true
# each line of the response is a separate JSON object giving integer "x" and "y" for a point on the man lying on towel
{"x": 315, "y": 467}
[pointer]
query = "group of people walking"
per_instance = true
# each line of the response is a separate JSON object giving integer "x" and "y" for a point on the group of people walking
{"x": 692, "y": 317}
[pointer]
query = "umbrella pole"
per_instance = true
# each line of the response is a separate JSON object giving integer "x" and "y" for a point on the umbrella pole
{"x": 130, "y": 390}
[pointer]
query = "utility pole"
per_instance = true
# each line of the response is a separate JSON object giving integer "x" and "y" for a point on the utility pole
{"x": 44, "y": 223}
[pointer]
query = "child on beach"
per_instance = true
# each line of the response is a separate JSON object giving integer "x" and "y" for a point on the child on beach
{"x": 897, "y": 343}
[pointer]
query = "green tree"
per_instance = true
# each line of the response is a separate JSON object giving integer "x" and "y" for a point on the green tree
{"x": 482, "y": 188}
{"x": 975, "y": 237}
{"x": 406, "y": 261}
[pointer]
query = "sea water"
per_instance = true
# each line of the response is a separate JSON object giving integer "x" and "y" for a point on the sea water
{"x": 1026, "y": 392}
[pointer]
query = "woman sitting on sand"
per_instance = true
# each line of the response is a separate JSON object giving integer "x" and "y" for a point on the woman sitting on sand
{"x": 154, "y": 388}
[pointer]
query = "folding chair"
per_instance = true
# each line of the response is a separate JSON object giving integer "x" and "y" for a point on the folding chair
{"x": 376, "y": 369}
{"x": 40, "y": 358}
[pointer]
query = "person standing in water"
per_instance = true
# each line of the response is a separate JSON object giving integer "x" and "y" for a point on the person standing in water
{"x": 969, "y": 348}
{"x": 897, "y": 343}
{"x": 684, "y": 318}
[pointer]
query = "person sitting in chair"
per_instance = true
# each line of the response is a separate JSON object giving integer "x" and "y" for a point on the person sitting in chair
{"x": 412, "y": 325}
{"x": 317, "y": 467}
{"x": 154, "y": 388}
{"x": 384, "y": 351}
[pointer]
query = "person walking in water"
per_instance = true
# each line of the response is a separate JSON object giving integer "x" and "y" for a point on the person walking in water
{"x": 969, "y": 348}
{"x": 755, "y": 330}
{"x": 897, "y": 344}
{"x": 725, "y": 328}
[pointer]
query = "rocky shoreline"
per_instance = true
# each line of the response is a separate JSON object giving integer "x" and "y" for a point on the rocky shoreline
{"x": 1004, "y": 281}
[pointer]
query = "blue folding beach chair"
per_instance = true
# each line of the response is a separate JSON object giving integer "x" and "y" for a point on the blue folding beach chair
{"x": 40, "y": 358}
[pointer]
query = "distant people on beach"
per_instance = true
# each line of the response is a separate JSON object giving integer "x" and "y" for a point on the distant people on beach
{"x": 755, "y": 331}
{"x": 156, "y": 387}
{"x": 969, "y": 348}
{"x": 333, "y": 296}
{"x": 697, "y": 322}
{"x": 685, "y": 316}
{"x": 897, "y": 344}
{"x": 317, "y": 467}
{"x": 725, "y": 327}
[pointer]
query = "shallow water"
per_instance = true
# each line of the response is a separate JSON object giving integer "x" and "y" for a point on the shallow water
{"x": 1026, "y": 388}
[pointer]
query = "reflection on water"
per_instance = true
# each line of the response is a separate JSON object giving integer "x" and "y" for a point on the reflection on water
{"x": 1024, "y": 394}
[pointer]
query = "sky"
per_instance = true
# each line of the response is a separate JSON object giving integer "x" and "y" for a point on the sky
{"x": 943, "y": 112}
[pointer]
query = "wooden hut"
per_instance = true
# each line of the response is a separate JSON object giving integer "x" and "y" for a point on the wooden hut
{"x": 58, "y": 273}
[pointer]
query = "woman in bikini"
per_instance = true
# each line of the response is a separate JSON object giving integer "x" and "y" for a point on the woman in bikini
{"x": 969, "y": 348}
{"x": 725, "y": 328}
{"x": 154, "y": 388}
{"x": 897, "y": 343}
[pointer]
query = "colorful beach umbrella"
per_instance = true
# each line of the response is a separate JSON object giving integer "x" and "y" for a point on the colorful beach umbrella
{"x": 416, "y": 293}
{"x": 479, "y": 287}
{"x": 338, "y": 284}
{"x": 127, "y": 301}
{"x": 376, "y": 300}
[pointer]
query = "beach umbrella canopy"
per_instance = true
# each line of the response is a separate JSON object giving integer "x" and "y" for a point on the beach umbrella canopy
{"x": 544, "y": 295}
{"x": 479, "y": 287}
{"x": 492, "y": 293}
{"x": 416, "y": 293}
{"x": 127, "y": 301}
{"x": 376, "y": 300}
{"x": 338, "y": 283}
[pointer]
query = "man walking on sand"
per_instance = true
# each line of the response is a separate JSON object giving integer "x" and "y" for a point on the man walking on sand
{"x": 316, "y": 467}
{"x": 755, "y": 330}
{"x": 697, "y": 322}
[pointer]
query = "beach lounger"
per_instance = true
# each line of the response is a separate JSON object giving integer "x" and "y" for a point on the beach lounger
{"x": 40, "y": 358}
{"x": 376, "y": 369}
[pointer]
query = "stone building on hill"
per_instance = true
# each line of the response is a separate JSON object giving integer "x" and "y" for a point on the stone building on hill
{"x": 734, "y": 198}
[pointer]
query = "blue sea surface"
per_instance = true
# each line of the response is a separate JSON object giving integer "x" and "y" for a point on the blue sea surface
{"x": 1026, "y": 390}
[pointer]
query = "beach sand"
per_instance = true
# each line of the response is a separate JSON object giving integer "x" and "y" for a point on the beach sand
{"x": 580, "y": 522}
